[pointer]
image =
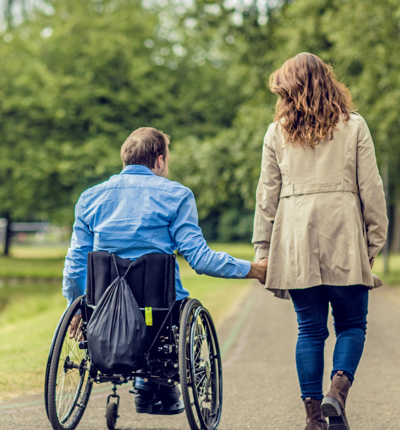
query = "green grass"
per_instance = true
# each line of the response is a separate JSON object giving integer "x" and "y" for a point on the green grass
{"x": 33, "y": 262}
{"x": 391, "y": 279}
{"x": 26, "y": 328}
{"x": 31, "y": 268}
{"x": 29, "y": 313}
{"x": 39, "y": 251}
{"x": 48, "y": 261}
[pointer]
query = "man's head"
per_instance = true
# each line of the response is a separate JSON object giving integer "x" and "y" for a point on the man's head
{"x": 148, "y": 147}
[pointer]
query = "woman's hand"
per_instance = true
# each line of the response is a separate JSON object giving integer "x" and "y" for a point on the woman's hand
{"x": 264, "y": 263}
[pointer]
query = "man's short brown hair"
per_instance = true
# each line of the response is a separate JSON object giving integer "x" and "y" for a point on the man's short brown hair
{"x": 144, "y": 146}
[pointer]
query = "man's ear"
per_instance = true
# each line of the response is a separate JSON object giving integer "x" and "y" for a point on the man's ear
{"x": 159, "y": 160}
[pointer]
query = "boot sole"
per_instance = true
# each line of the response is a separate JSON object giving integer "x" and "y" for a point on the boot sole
{"x": 332, "y": 410}
{"x": 141, "y": 410}
{"x": 147, "y": 409}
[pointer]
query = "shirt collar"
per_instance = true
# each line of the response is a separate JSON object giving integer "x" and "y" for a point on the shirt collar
{"x": 136, "y": 169}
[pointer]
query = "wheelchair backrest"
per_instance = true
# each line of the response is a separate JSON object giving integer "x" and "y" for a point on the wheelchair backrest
{"x": 151, "y": 278}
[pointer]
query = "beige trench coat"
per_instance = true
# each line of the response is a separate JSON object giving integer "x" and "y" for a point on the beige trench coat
{"x": 320, "y": 211}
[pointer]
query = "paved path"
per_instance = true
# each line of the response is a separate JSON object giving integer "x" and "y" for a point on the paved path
{"x": 260, "y": 382}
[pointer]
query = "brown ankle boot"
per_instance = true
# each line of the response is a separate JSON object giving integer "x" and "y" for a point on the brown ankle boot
{"x": 335, "y": 401}
{"x": 315, "y": 417}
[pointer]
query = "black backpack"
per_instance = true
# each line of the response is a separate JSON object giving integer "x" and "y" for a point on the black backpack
{"x": 116, "y": 332}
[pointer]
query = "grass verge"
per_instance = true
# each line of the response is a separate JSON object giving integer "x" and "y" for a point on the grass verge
{"x": 48, "y": 261}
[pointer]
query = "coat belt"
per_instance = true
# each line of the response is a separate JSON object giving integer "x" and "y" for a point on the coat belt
{"x": 301, "y": 189}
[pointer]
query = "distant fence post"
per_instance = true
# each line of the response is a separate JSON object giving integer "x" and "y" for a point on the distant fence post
{"x": 8, "y": 228}
{"x": 7, "y": 235}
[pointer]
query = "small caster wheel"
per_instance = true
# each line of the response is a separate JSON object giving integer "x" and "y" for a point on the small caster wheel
{"x": 112, "y": 415}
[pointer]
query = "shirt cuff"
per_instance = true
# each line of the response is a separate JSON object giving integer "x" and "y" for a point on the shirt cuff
{"x": 242, "y": 268}
{"x": 261, "y": 249}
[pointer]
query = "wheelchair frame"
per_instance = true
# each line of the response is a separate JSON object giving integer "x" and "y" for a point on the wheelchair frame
{"x": 187, "y": 354}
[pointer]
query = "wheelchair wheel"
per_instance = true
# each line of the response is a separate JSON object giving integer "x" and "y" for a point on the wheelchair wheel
{"x": 200, "y": 367}
{"x": 47, "y": 374}
{"x": 112, "y": 415}
{"x": 69, "y": 385}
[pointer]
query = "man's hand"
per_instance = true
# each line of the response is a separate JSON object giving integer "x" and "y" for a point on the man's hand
{"x": 258, "y": 270}
{"x": 371, "y": 262}
{"x": 74, "y": 327}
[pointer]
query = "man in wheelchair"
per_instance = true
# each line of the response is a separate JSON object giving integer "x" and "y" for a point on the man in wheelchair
{"x": 138, "y": 212}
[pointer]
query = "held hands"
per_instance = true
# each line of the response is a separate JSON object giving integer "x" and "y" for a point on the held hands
{"x": 258, "y": 270}
{"x": 264, "y": 263}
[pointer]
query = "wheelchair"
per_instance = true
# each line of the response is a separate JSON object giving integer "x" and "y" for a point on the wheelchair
{"x": 184, "y": 347}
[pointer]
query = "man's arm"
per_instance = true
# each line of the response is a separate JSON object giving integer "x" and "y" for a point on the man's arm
{"x": 190, "y": 242}
{"x": 74, "y": 274}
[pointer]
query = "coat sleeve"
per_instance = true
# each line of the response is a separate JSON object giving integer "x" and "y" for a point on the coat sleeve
{"x": 267, "y": 197}
{"x": 371, "y": 192}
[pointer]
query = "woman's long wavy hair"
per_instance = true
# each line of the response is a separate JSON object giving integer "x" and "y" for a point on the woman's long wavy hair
{"x": 311, "y": 99}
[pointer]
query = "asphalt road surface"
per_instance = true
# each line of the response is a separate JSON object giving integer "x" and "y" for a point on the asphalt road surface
{"x": 260, "y": 382}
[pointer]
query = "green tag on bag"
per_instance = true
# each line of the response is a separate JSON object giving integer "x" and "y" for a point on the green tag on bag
{"x": 148, "y": 313}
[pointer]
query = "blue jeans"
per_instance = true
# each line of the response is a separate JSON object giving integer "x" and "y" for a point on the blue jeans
{"x": 142, "y": 385}
{"x": 349, "y": 310}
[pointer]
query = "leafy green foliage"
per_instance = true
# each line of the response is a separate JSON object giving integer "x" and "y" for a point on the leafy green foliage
{"x": 75, "y": 83}
{"x": 359, "y": 39}
{"x": 78, "y": 76}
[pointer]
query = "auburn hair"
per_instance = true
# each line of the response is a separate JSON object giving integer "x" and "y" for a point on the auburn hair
{"x": 311, "y": 99}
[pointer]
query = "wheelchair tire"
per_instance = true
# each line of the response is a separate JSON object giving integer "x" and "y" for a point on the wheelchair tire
{"x": 69, "y": 384}
{"x": 47, "y": 374}
{"x": 112, "y": 415}
{"x": 200, "y": 367}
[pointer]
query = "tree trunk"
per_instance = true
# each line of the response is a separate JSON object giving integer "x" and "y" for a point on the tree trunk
{"x": 396, "y": 226}
{"x": 7, "y": 240}
{"x": 386, "y": 186}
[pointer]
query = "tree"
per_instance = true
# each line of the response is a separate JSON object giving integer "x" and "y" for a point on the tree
{"x": 75, "y": 81}
{"x": 368, "y": 65}
{"x": 78, "y": 76}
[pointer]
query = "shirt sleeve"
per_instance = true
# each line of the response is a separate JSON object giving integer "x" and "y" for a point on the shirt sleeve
{"x": 74, "y": 274}
{"x": 189, "y": 240}
{"x": 267, "y": 198}
{"x": 371, "y": 192}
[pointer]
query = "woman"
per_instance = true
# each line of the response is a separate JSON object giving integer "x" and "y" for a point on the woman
{"x": 321, "y": 220}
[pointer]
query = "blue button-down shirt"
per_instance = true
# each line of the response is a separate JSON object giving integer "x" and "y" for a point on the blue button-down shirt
{"x": 136, "y": 213}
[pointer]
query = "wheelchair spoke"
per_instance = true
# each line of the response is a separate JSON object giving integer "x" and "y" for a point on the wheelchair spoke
{"x": 61, "y": 389}
{"x": 200, "y": 381}
{"x": 203, "y": 370}
{"x": 69, "y": 382}
{"x": 66, "y": 394}
{"x": 197, "y": 354}
{"x": 74, "y": 348}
